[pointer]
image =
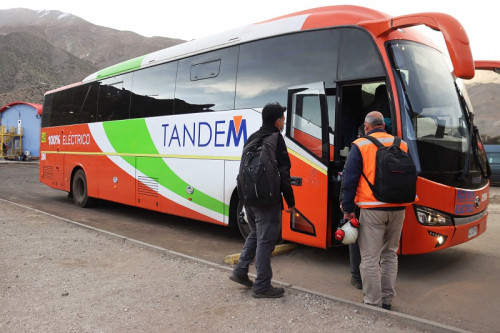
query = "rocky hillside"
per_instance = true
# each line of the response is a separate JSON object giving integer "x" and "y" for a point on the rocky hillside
{"x": 98, "y": 45}
{"x": 484, "y": 93}
{"x": 42, "y": 50}
{"x": 30, "y": 66}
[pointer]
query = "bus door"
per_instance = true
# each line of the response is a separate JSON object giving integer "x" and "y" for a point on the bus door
{"x": 309, "y": 149}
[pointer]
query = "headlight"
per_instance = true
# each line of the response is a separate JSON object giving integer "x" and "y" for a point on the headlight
{"x": 431, "y": 217}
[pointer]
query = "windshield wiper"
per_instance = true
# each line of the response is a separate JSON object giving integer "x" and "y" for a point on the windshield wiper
{"x": 472, "y": 146}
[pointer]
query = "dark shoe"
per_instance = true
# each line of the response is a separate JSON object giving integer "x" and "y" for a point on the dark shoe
{"x": 244, "y": 280}
{"x": 386, "y": 306}
{"x": 356, "y": 283}
{"x": 271, "y": 293}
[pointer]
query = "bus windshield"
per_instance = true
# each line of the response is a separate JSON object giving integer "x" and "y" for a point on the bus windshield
{"x": 435, "y": 123}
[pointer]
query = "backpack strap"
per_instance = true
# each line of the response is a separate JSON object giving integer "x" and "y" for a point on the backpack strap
{"x": 369, "y": 184}
{"x": 374, "y": 140}
{"x": 379, "y": 145}
{"x": 271, "y": 138}
{"x": 396, "y": 142}
{"x": 260, "y": 141}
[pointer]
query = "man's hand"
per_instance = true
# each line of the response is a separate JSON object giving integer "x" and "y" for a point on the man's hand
{"x": 348, "y": 216}
{"x": 290, "y": 209}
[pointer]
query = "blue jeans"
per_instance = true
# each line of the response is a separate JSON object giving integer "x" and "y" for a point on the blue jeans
{"x": 265, "y": 227}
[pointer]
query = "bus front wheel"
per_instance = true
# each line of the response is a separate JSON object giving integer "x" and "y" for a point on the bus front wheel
{"x": 79, "y": 190}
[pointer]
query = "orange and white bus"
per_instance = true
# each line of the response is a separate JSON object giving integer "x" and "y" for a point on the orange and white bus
{"x": 165, "y": 131}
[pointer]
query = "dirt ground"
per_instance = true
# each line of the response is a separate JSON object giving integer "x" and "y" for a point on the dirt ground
{"x": 57, "y": 276}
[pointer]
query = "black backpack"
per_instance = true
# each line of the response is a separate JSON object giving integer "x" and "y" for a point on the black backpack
{"x": 258, "y": 179}
{"x": 395, "y": 173}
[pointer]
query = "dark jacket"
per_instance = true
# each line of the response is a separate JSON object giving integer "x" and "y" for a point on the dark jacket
{"x": 283, "y": 159}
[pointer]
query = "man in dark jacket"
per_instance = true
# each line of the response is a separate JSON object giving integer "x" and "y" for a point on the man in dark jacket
{"x": 265, "y": 221}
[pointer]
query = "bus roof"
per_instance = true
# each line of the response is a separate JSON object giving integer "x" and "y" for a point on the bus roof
{"x": 378, "y": 23}
{"x": 315, "y": 18}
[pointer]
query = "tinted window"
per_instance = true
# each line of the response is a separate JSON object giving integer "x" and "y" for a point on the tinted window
{"x": 48, "y": 111}
{"x": 494, "y": 158}
{"x": 268, "y": 67}
{"x": 359, "y": 57}
{"x": 114, "y": 98}
{"x": 153, "y": 91}
{"x": 214, "y": 86}
{"x": 85, "y": 103}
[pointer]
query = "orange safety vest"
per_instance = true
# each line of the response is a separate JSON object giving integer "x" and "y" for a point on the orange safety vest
{"x": 364, "y": 195}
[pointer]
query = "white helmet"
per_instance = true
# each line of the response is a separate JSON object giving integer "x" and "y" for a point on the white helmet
{"x": 350, "y": 234}
{"x": 348, "y": 231}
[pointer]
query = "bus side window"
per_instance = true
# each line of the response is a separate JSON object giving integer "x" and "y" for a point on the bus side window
{"x": 153, "y": 91}
{"x": 306, "y": 122}
{"x": 85, "y": 102}
{"x": 330, "y": 99}
{"x": 114, "y": 98}
{"x": 206, "y": 82}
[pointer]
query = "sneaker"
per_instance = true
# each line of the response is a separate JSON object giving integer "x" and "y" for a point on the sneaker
{"x": 244, "y": 280}
{"x": 386, "y": 306}
{"x": 356, "y": 283}
{"x": 271, "y": 293}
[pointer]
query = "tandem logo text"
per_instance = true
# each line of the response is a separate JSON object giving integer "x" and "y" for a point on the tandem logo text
{"x": 219, "y": 133}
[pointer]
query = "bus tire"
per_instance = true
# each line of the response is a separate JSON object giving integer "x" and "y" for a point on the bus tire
{"x": 241, "y": 220}
{"x": 79, "y": 190}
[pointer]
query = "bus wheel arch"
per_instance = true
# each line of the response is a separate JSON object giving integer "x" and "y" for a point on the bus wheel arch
{"x": 79, "y": 189}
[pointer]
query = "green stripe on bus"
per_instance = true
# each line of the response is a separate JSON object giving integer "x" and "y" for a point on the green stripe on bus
{"x": 155, "y": 167}
{"x": 121, "y": 67}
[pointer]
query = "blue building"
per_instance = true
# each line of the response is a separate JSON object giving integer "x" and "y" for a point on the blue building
{"x": 20, "y": 124}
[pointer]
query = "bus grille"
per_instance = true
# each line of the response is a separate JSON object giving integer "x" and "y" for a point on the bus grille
{"x": 147, "y": 186}
{"x": 48, "y": 172}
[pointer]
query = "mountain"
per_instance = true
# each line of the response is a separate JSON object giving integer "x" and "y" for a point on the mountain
{"x": 42, "y": 50}
{"x": 484, "y": 93}
{"x": 29, "y": 66}
{"x": 98, "y": 45}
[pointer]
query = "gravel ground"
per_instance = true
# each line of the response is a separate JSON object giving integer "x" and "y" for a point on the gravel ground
{"x": 57, "y": 276}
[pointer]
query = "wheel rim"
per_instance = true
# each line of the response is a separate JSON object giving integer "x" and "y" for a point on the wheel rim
{"x": 242, "y": 224}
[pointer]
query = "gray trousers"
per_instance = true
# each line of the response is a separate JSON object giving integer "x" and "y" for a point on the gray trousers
{"x": 378, "y": 239}
{"x": 265, "y": 227}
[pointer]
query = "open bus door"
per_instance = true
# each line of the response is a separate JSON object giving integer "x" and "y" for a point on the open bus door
{"x": 309, "y": 150}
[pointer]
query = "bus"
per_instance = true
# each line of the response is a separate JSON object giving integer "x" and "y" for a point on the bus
{"x": 165, "y": 131}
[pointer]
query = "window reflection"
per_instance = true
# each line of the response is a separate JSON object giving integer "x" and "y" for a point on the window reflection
{"x": 267, "y": 68}
{"x": 114, "y": 98}
{"x": 153, "y": 91}
{"x": 213, "y": 88}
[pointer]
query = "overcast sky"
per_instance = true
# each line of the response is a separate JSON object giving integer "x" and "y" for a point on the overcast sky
{"x": 192, "y": 19}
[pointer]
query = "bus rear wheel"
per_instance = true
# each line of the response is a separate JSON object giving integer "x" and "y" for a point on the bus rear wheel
{"x": 79, "y": 190}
